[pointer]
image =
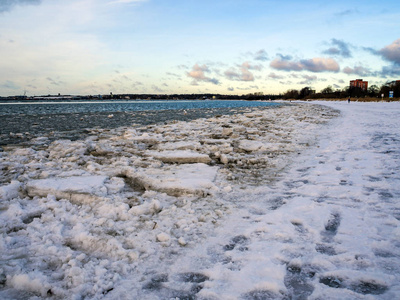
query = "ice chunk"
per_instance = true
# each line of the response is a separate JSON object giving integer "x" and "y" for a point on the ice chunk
{"x": 181, "y": 145}
{"x": 147, "y": 208}
{"x": 80, "y": 189}
{"x": 250, "y": 146}
{"x": 163, "y": 237}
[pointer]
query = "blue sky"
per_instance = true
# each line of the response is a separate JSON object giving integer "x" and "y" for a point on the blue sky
{"x": 227, "y": 47}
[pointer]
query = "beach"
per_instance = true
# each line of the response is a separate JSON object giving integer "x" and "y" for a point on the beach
{"x": 294, "y": 202}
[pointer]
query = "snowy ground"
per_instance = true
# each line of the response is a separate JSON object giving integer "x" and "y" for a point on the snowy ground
{"x": 290, "y": 203}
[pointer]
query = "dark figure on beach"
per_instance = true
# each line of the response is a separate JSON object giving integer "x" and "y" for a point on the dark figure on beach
{"x": 348, "y": 100}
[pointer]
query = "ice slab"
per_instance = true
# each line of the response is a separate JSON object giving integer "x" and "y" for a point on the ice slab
{"x": 78, "y": 189}
{"x": 180, "y": 156}
{"x": 177, "y": 180}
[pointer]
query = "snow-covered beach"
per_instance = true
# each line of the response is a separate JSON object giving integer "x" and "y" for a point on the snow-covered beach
{"x": 294, "y": 202}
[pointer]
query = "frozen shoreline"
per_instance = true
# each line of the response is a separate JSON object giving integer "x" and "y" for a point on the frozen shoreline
{"x": 281, "y": 199}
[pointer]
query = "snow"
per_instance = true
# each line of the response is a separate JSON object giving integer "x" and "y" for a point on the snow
{"x": 10, "y": 191}
{"x": 294, "y": 202}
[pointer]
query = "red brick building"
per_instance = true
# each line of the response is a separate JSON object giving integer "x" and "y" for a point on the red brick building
{"x": 359, "y": 83}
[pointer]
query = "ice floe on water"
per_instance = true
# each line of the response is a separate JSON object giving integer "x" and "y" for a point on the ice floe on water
{"x": 294, "y": 202}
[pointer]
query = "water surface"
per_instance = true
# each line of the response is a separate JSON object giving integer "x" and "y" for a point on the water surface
{"x": 52, "y": 107}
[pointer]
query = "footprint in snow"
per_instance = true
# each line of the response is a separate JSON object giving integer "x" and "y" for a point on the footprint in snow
{"x": 240, "y": 240}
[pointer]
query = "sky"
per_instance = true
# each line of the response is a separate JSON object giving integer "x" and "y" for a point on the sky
{"x": 91, "y": 47}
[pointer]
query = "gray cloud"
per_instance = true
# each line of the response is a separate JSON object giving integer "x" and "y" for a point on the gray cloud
{"x": 316, "y": 64}
{"x": 371, "y": 50}
{"x": 9, "y": 85}
{"x": 261, "y": 55}
{"x": 320, "y": 65}
{"x": 156, "y": 89}
{"x": 7, "y": 5}
{"x": 232, "y": 74}
{"x": 308, "y": 79}
{"x": 275, "y": 76}
{"x": 182, "y": 67}
{"x": 346, "y": 12}
{"x": 284, "y": 57}
{"x": 358, "y": 70}
{"x": 173, "y": 74}
{"x": 339, "y": 48}
{"x": 244, "y": 73}
{"x": 390, "y": 53}
{"x": 393, "y": 70}
{"x": 286, "y": 65}
{"x": 54, "y": 81}
{"x": 249, "y": 66}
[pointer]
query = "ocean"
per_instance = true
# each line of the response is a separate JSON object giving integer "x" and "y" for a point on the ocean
{"x": 60, "y": 107}
{"x": 21, "y": 122}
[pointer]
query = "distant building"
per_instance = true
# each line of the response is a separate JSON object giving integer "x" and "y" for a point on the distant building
{"x": 359, "y": 83}
{"x": 395, "y": 82}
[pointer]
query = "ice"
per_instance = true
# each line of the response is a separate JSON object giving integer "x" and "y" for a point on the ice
{"x": 78, "y": 189}
{"x": 175, "y": 180}
{"x": 251, "y": 146}
{"x": 180, "y": 156}
{"x": 296, "y": 202}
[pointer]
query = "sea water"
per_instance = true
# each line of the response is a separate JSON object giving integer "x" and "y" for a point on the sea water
{"x": 59, "y": 107}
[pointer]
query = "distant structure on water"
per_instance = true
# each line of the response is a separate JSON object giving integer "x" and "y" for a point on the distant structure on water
{"x": 359, "y": 83}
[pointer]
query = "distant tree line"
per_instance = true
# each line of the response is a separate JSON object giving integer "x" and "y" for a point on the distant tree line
{"x": 305, "y": 93}
{"x": 250, "y": 96}
{"x": 329, "y": 93}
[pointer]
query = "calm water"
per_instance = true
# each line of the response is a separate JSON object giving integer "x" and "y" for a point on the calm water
{"x": 44, "y": 108}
